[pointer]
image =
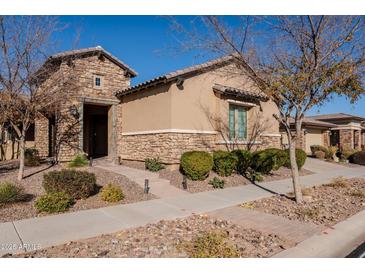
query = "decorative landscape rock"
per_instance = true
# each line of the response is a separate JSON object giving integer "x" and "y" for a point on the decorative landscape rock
{"x": 164, "y": 238}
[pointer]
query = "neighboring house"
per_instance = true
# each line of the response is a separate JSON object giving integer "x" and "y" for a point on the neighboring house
{"x": 198, "y": 108}
{"x": 343, "y": 130}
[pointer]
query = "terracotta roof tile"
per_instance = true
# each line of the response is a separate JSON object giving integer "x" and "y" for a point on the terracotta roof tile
{"x": 175, "y": 74}
{"x": 240, "y": 92}
{"x": 94, "y": 50}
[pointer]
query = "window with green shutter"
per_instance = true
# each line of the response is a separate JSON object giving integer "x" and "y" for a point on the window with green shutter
{"x": 242, "y": 123}
{"x": 232, "y": 122}
{"x": 237, "y": 123}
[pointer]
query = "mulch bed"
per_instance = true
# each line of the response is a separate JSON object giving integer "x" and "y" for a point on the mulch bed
{"x": 323, "y": 205}
{"x": 176, "y": 179}
{"x": 164, "y": 238}
{"x": 32, "y": 186}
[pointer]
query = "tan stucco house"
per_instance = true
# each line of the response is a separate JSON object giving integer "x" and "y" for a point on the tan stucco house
{"x": 343, "y": 130}
{"x": 197, "y": 108}
{"x": 210, "y": 106}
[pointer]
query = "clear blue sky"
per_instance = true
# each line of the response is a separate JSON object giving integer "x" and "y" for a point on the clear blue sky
{"x": 147, "y": 44}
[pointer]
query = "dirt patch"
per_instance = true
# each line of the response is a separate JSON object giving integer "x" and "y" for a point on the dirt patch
{"x": 164, "y": 239}
{"x": 324, "y": 205}
{"x": 32, "y": 184}
{"x": 175, "y": 177}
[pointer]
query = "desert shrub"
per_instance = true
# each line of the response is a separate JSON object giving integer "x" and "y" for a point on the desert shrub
{"x": 332, "y": 150}
{"x": 278, "y": 156}
{"x": 301, "y": 156}
{"x": 358, "y": 158}
{"x": 212, "y": 244}
{"x": 338, "y": 182}
{"x": 31, "y": 157}
{"x": 311, "y": 213}
{"x": 79, "y": 160}
{"x": 196, "y": 165}
{"x": 224, "y": 163}
{"x": 319, "y": 154}
{"x": 315, "y": 148}
{"x": 77, "y": 184}
{"x": 357, "y": 193}
{"x": 10, "y": 193}
{"x": 153, "y": 164}
{"x": 244, "y": 160}
{"x": 112, "y": 193}
{"x": 217, "y": 183}
{"x": 262, "y": 162}
{"x": 54, "y": 202}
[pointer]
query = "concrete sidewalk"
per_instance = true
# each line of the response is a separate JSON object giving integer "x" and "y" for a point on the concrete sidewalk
{"x": 336, "y": 242}
{"x": 58, "y": 229}
{"x": 158, "y": 186}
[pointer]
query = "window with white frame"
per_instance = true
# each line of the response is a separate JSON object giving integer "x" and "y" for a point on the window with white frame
{"x": 98, "y": 81}
{"x": 237, "y": 123}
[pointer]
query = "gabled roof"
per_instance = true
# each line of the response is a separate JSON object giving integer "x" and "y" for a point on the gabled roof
{"x": 337, "y": 116}
{"x": 172, "y": 76}
{"x": 307, "y": 121}
{"x": 240, "y": 92}
{"x": 93, "y": 50}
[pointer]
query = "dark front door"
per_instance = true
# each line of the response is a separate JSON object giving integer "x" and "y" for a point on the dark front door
{"x": 99, "y": 135}
{"x": 335, "y": 138}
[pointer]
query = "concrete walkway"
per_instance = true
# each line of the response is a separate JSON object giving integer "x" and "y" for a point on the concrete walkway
{"x": 292, "y": 230}
{"x": 319, "y": 166}
{"x": 336, "y": 242}
{"x": 58, "y": 229}
{"x": 158, "y": 186}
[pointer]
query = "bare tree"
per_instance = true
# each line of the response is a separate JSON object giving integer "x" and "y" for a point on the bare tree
{"x": 298, "y": 61}
{"x": 26, "y": 88}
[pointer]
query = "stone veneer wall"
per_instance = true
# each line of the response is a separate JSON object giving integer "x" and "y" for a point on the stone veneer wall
{"x": 169, "y": 146}
{"x": 357, "y": 140}
{"x": 346, "y": 138}
{"x": 326, "y": 138}
{"x": 113, "y": 78}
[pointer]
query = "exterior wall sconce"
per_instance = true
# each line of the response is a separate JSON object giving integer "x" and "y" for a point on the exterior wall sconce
{"x": 185, "y": 183}
{"x": 146, "y": 186}
{"x": 74, "y": 111}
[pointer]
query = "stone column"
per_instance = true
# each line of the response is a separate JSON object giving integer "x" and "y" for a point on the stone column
{"x": 346, "y": 138}
{"x": 81, "y": 123}
{"x": 114, "y": 148}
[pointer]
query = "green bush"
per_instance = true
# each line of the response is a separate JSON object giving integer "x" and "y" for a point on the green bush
{"x": 31, "y": 157}
{"x": 153, "y": 164}
{"x": 196, "y": 165}
{"x": 244, "y": 161}
{"x": 315, "y": 148}
{"x": 77, "y": 184}
{"x": 358, "y": 158}
{"x": 54, "y": 202}
{"x": 224, "y": 163}
{"x": 279, "y": 157}
{"x": 217, "y": 183}
{"x": 112, "y": 193}
{"x": 319, "y": 154}
{"x": 262, "y": 162}
{"x": 348, "y": 153}
{"x": 301, "y": 156}
{"x": 79, "y": 160}
{"x": 213, "y": 244}
{"x": 10, "y": 193}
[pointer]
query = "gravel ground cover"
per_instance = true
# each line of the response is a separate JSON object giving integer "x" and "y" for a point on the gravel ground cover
{"x": 167, "y": 239}
{"x": 323, "y": 205}
{"x": 32, "y": 186}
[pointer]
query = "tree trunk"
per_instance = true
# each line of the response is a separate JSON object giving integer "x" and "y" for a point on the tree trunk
{"x": 295, "y": 172}
{"x": 21, "y": 157}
